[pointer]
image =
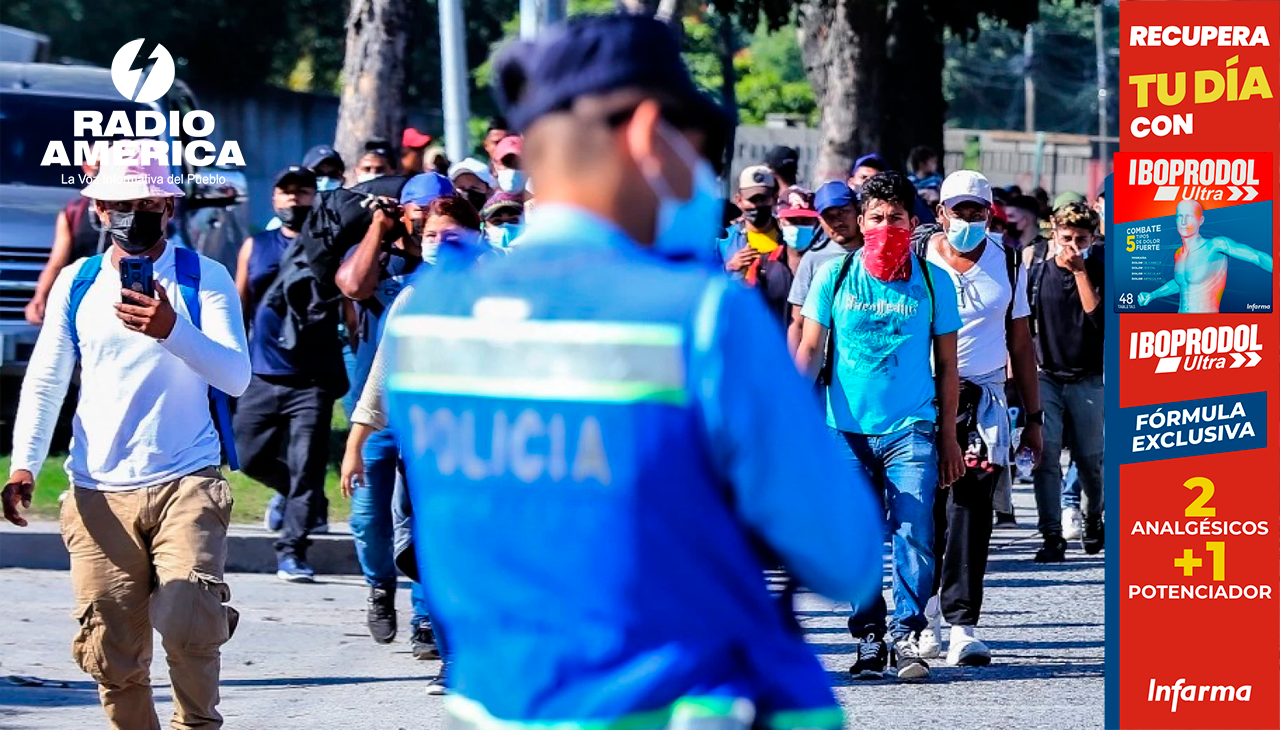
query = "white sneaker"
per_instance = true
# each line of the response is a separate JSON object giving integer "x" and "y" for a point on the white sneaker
{"x": 966, "y": 649}
{"x": 1072, "y": 524}
{"x": 930, "y": 644}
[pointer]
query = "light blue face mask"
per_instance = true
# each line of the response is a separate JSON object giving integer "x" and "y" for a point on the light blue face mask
{"x": 997, "y": 237}
{"x": 965, "y": 236}
{"x": 501, "y": 236}
{"x": 687, "y": 227}
{"x": 325, "y": 184}
{"x": 799, "y": 237}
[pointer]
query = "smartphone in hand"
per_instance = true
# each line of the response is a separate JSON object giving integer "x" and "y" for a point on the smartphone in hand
{"x": 137, "y": 274}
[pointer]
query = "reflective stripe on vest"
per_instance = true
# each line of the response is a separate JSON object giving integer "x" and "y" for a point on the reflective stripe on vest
{"x": 602, "y": 362}
{"x": 686, "y": 713}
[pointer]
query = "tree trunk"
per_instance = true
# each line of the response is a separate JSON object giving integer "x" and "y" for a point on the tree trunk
{"x": 843, "y": 45}
{"x": 373, "y": 77}
{"x": 914, "y": 105}
{"x": 728, "y": 85}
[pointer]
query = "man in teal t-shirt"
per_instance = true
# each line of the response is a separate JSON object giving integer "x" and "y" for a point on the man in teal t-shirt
{"x": 889, "y": 311}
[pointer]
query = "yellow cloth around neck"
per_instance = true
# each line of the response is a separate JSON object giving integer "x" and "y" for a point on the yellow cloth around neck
{"x": 762, "y": 242}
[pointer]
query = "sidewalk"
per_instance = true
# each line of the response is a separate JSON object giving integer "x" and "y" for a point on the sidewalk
{"x": 38, "y": 546}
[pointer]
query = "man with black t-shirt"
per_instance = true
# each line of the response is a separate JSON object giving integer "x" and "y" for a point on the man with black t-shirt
{"x": 289, "y": 403}
{"x": 1066, "y": 291}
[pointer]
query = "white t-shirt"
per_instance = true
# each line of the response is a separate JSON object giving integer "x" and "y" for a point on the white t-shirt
{"x": 982, "y": 294}
{"x": 143, "y": 415}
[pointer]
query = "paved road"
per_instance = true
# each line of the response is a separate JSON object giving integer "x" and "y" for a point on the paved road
{"x": 301, "y": 658}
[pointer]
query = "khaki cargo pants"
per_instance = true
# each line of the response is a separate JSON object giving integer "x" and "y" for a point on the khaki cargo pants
{"x": 152, "y": 557}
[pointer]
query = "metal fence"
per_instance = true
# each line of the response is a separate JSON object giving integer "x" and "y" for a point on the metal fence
{"x": 1056, "y": 162}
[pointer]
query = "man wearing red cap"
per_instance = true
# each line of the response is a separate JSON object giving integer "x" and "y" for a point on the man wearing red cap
{"x": 507, "y": 165}
{"x": 413, "y": 146}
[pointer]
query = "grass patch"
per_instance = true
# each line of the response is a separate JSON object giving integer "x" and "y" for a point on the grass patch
{"x": 250, "y": 496}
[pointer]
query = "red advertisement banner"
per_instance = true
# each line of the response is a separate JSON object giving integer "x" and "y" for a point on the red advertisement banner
{"x": 1198, "y": 368}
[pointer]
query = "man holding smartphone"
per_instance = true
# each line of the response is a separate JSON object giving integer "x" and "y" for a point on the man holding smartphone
{"x": 146, "y": 521}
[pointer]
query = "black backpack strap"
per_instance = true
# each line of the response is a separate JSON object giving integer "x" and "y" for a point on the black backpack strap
{"x": 1035, "y": 272}
{"x": 825, "y": 375}
{"x": 1011, "y": 264}
{"x": 928, "y": 282}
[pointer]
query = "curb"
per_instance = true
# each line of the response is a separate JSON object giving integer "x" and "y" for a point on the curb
{"x": 39, "y": 546}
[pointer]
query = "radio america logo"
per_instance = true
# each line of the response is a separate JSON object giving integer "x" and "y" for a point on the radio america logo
{"x": 143, "y": 72}
{"x": 1206, "y": 348}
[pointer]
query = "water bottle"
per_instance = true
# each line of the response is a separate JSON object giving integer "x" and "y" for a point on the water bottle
{"x": 1025, "y": 462}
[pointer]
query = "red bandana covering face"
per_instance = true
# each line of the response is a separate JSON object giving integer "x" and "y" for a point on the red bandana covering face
{"x": 885, "y": 252}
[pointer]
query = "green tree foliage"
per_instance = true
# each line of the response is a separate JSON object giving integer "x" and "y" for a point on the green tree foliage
{"x": 769, "y": 71}
{"x": 234, "y": 45}
{"x": 983, "y": 80}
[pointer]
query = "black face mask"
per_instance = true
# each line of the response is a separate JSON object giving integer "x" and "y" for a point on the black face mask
{"x": 476, "y": 198}
{"x": 759, "y": 217}
{"x": 293, "y": 216}
{"x": 1012, "y": 233}
{"x": 135, "y": 231}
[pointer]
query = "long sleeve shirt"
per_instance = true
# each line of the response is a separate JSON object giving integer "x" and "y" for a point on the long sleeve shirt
{"x": 371, "y": 409}
{"x": 143, "y": 414}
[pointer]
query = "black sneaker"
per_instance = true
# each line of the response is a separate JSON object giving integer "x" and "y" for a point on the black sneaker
{"x": 907, "y": 662}
{"x": 440, "y": 685}
{"x": 873, "y": 657}
{"x": 423, "y": 642}
{"x": 1054, "y": 550}
{"x": 382, "y": 615}
{"x": 1094, "y": 535}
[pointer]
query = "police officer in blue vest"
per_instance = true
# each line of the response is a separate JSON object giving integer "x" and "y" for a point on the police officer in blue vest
{"x": 591, "y": 427}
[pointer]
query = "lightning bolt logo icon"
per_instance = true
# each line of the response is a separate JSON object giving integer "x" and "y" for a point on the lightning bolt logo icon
{"x": 142, "y": 70}
{"x": 142, "y": 64}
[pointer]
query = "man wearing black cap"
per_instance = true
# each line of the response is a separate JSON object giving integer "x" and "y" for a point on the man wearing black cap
{"x": 784, "y": 163}
{"x": 285, "y": 404}
{"x": 327, "y": 165}
{"x": 591, "y": 475}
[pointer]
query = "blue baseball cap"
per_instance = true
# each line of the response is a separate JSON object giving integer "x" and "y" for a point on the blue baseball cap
{"x": 872, "y": 160}
{"x": 834, "y": 194}
{"x": 598, "y": 54}
{"x": 424, "y": 188}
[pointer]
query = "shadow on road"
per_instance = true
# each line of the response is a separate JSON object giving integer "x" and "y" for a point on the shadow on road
{"x": 285, "y": 682}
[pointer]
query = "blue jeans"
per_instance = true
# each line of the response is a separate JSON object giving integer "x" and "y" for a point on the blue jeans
{"x": 1071, "y": 487}
{"x": 904, "y": 467}
{"x": 1074, "y": 405}
{"x": 371, "y": 519}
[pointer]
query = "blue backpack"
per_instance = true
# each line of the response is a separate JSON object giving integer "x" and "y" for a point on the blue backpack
{"x": 188, "y": 267}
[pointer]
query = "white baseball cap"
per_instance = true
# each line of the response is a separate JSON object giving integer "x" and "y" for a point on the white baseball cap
{"x": 756, "y": 176}
{"x": 473, "y": 166}
{"x": 130, "y": 172}
{"x": 965, "y": 186}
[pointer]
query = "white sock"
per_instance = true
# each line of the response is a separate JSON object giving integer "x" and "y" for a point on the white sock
{"x": 962, "y": 633}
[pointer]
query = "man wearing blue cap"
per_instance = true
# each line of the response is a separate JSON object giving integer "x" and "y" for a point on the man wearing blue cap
{"x": 372, "y": 276}
{"x": 864, "y": 168}
{"x": 594, "y": 488}
{"x": 837, "y": 208}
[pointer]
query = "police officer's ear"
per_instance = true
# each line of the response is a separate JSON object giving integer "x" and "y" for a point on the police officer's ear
{"x": 653, "y": 144}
